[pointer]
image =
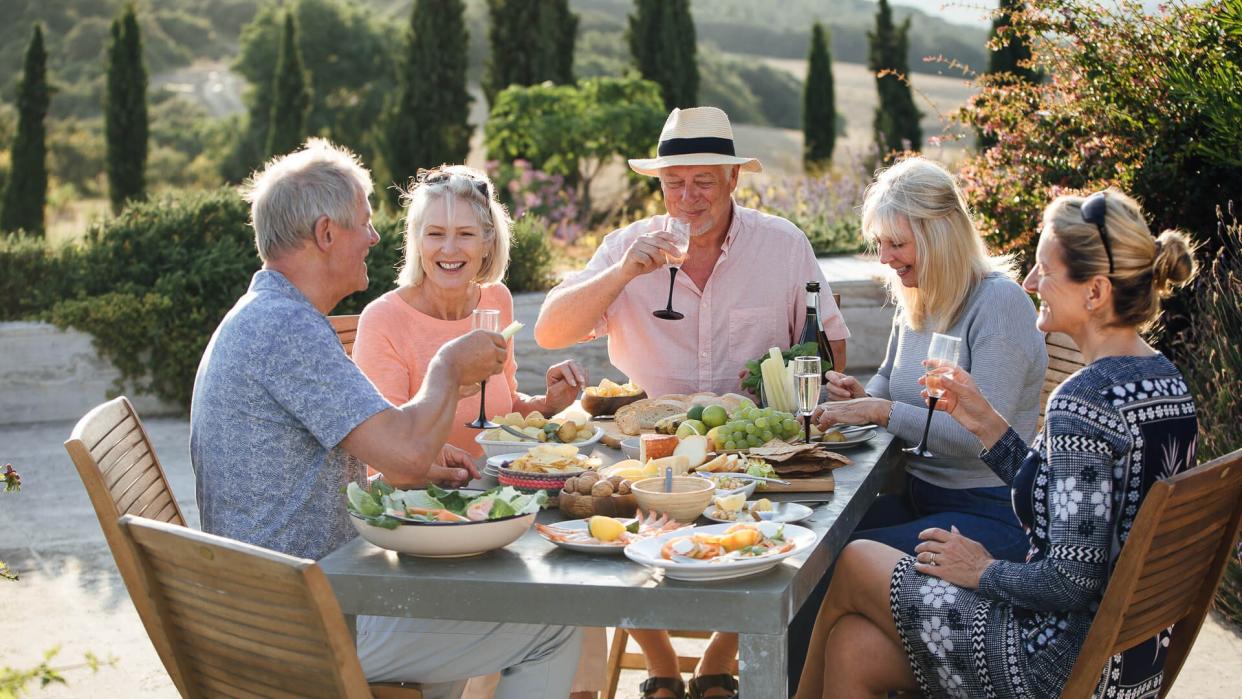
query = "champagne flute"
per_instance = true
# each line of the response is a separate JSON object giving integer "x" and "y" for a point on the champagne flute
{"x": 942, "y": 356}
{"x": 484, "y": 319}
{"x": 807, "y": 377}
{"x": 677, "y": 232}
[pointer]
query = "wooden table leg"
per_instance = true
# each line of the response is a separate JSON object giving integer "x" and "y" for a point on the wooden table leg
{"x": 763, "y": 665}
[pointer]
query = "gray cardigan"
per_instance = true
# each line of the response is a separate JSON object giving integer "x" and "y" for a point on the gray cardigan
{"x": 1004, "y": 353}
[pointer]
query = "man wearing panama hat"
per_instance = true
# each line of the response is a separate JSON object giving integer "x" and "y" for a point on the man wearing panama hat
{"x": 741, "y": 291}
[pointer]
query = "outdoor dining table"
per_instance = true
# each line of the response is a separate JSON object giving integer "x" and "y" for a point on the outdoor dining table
{"x": 532, "y": 581}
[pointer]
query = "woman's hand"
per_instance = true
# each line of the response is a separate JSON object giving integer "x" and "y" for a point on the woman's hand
{"x": 967, "y": 405}
{"x": 565, "y": 379}
{"x": 842, "y": 387}
{"x": 952, "y": 557}
{"x": 453, "y": 468}
{"x": 858, "y": 411}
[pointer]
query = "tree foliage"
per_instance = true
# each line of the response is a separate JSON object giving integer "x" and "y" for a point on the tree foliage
{"x": 1009, "y": 52}
{"x": 427, "y": 124}
{"x": 531, "y": 41}
{"x": 573, "y": 130}
{"x": 896, "y": 118}
{"x": 819, "y": 111}
{"x": 25, "y": 189}
{"x": 125, "y": 113}
{"x": 287, "y": 126}
{"x": 663, "y": 44}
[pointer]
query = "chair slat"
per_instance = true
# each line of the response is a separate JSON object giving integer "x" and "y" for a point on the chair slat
{"x": 206, "y": 606}
{"x": 100, "y": 428}
{"x": 266, "y": 592}
{"x": 142, "y": 477}
{"x": 1184, "y": 537}
{"x": 249, "y": 605}
{"x": 1172, "y": 565}
{"x": 298, "y": 645}
{"x": 121, "y": 457}
{"x": 291, "y": 685}
{"x": 155, "y": 502}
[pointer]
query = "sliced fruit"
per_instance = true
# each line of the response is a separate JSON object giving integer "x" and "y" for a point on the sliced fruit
{"x": 731, "y": 503}
{"x": 761, "y": 505}
{"x": 715, "y": 438}
{"x": 605, "y": 528}
{"x": 690, "y": 427}
{"x": 694, "y": 448}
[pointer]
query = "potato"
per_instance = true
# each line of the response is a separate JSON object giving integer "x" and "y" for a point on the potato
{"x": 567, "y": 432}
{"x": 541, "y": 436}
{"x": 601, "y": 489}
{"x": 536, "y": 419}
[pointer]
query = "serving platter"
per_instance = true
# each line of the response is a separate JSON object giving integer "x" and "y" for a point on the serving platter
{"x": 647, "y": 553}
{"x": 782, "y": 512}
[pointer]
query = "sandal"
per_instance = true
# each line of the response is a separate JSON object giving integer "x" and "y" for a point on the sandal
{"x": 651, "y": 685}
{"x": 702, "y": 683}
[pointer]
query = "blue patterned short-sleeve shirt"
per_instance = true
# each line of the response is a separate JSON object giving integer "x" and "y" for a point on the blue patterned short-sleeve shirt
{"x": 274, "y": 396}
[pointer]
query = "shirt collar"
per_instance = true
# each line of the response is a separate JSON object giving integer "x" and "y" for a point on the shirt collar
{"x": 735, "y": 226}
{"x": 271, "y": 280}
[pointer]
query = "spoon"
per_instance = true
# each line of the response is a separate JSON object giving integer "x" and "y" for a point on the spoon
{"x": 519, "y": 435}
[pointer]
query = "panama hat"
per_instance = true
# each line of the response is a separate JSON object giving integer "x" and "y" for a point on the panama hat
{"x": 695, "y": 136}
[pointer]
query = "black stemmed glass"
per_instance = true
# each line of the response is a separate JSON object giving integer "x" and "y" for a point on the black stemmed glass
{"x": 484, "y": 319}
{"x": 678, "y": 233}
{"x": 943, "y": 358}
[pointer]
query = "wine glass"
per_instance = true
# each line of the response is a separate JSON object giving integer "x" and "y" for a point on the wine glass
{"x": 484, "y": 319}
{"x": 942, "y": 356}
{"x": 676, "y": 232}
{"x": 807, "y": 382}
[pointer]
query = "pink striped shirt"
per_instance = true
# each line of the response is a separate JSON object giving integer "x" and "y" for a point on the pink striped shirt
{"x": 754, "y": 299}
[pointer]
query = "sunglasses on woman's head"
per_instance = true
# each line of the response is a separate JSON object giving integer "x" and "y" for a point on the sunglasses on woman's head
{"x": 1093, "y": 212}
{"x": 440, "y": 177}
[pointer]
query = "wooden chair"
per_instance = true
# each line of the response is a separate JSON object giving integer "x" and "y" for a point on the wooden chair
{"x": 346, "y": 330}
{"x": 619, "y": 658}
{"x": 1063, "y": 360}
{"x": 1168, "y": 571}
{"x": 243, "y": 621}
{"x": 114, "y": 457}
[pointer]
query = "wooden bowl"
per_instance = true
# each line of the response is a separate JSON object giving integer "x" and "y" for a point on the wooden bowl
{"x": 690, "y": 496}
{"x": 600, "y": 405}
{"x": 577, "y": 506}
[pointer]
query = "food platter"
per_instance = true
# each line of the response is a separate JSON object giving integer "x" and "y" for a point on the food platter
{"x": 782, "y": 512}
{"x": 579, "y": 526}
{"x": 647, "y": 553}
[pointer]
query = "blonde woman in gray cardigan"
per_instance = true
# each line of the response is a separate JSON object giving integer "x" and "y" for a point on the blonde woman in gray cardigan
{"x": 942, "y": 281}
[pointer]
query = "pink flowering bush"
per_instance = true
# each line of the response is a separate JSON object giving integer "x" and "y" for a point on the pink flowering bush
{"x": 528, "y": 191}
{"x": 825, "y": 206}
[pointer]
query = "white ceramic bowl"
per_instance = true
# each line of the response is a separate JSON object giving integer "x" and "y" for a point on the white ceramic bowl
{"x": 497, "y": 448}
{"x": 630, "y": 447}
{"x": 748, "y": 487}
{"x": 446, "y": 539}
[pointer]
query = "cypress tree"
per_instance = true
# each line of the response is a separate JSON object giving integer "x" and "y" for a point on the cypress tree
{"x": 428, "y": 124}
{"x": 819, "y": 111}
{"x": 896, "y": 117}
{"x": 1016, "y": 49}
{"x": 531, "y": 41}
{"x": 125, "y": 112}
{"x": 663, "y": 44}
{"x": 287, "y": 126}
{"x": 25, "y": 192}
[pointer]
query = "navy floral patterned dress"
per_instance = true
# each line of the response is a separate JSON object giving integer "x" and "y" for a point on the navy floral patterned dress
{"x": 1112, "y": 430}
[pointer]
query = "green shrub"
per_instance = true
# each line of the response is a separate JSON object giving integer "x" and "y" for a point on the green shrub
{"x": 34, "y": 276}
{"x": 530, "y": 257}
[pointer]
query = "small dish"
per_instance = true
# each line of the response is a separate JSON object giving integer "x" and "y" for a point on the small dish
{"x": 781, "y": 512}
{"x": 720, "y": 480}
{"x": 851, "y": 440}
{"x": 630, "y": 447}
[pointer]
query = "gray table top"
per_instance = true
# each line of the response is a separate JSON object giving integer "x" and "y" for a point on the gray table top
{"x": 533, "y": 581}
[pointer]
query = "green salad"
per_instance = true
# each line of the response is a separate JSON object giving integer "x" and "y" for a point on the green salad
{"x": 383, "y": 505}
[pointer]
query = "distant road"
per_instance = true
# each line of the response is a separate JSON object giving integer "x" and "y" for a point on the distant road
{"x": 209, "y": 83}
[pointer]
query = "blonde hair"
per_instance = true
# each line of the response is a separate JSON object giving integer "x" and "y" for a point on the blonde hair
{"x": 293, "y": 191}
{"x": 1145, "y": 268}
{"x": 462, "y": 183}
{"x": 952, "y": 258}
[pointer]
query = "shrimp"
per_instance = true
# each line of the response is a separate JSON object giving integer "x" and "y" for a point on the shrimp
{"x": 648, "y": 526}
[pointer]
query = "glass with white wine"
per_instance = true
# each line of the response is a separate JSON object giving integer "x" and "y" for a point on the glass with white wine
{"x": 942, "y": 360}
{"x": 807, "y": 380}
{"x": 677, "y": 232}
{"x": 484, "y": 319}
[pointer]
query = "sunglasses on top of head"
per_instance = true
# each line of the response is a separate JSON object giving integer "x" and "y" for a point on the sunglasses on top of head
{"x": 1093, "y": 211}
{"x": 440, "y": 177}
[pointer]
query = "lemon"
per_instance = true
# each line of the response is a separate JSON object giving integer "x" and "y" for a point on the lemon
{"x": 605, "y": 528}
{"x": 761, "y": 505}
{"x": 731, "y": 503}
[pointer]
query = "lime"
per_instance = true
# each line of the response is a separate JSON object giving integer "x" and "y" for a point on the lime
{"x": 695, "y": 412}
{"x": 689, "y": 427}
{"x": 714, "y": 416}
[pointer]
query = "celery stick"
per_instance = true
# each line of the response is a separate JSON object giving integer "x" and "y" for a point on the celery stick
{"x": 512, "y": 330}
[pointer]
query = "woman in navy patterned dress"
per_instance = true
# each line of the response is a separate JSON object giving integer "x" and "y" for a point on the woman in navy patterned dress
{"x": 954, "y": 622}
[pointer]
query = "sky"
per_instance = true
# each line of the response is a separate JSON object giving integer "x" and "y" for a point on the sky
{"x": 972, "y": 12}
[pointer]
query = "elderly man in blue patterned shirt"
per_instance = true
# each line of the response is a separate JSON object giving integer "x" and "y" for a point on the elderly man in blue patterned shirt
{"x": 281, "y": 420}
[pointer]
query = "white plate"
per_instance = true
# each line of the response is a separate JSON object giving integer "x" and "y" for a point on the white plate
{"x": 581, "y": 525}
{"x": 496, "y": 461}
{"x": 647, "y": 552}
{"x": 786, "y": 512}
{"x": 502, "y": 447}
{"x": 853, "y": 441}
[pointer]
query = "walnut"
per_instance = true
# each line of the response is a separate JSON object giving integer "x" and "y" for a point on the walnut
{"x": 601, "y": 489}
{"x": 623, "y": 488}
{"x": 571, "y": 484}
{"x": 586, "y": 481}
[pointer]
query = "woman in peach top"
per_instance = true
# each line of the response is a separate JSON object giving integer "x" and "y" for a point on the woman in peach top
{"x": 456, "y": 252}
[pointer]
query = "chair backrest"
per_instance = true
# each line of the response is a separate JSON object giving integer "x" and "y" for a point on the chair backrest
{"x": 346, "y": 330}
{"x": 117, "y": 464}
{"x": 1168, "y": 571}
{"x": 1063, "y": 360}
{"x": 244, "y": 621}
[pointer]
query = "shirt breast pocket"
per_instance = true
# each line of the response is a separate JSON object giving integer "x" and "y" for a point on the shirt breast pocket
{"x": 752, "y": 331}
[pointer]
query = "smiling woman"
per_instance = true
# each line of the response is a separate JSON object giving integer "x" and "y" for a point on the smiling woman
{"x": 456, "y": 251}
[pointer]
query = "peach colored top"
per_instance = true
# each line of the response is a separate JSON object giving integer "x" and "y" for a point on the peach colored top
{"x": 754, "y": 299}
{"x": 396, "y": 342}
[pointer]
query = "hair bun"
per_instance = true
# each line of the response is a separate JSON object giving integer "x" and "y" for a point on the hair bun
{"x": 1174, "y": 262}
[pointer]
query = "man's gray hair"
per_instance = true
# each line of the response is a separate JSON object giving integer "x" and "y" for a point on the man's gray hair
{"x": 294, "y": 191}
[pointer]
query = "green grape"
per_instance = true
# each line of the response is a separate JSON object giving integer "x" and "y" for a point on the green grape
{"x": 736, "y": 425}
{"x": 751, "y": 428}
{"x": 789, "y": 425}
{"x": 754, "y": 440}
{"x": 761, "y": 422}
{"x": 730, "y": 444}
{"x": 768, "y": 436}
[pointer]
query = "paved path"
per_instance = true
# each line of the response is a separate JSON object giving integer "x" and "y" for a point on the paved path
{"x": 71, "y": 596}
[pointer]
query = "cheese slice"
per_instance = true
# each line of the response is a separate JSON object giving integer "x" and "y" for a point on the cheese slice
{"x": 656, "y": 446}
